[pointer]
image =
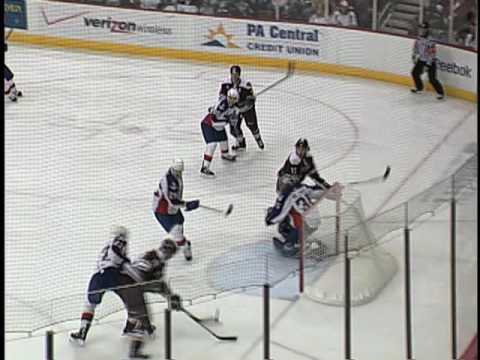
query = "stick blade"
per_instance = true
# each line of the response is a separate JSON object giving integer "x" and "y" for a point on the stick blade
{"x": 228, "y": 338}
{"x": 229, "y": 210}
{"x": 387, "y": 173}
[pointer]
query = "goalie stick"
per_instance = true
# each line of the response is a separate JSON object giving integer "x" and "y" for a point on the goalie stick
{"x": 199, "y": 322}
{"x": 224, "y": 212}
{"x": 373, "y": 180}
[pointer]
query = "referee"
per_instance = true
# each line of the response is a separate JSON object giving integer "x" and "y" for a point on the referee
{"x": 424, "y": 54}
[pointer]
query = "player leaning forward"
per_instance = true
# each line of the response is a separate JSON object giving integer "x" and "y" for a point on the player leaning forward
{"x": 295, "y": 199}
{"x": 168, "y": 202}
{"x": 213, "y": 129}
{"x": 246, "y": 106}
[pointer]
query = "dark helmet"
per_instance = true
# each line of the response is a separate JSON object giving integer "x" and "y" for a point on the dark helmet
{"x": 423, "y": 28}
{"x": 235, "y": 69}
{"x": 303, "y": 143}
{"x": 168, "y": 248}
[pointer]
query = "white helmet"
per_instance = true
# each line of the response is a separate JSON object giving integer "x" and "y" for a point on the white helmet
{"x": 119, "y": 230}
{"x": 177, "y": 166}
{"x": 233, "y": 96}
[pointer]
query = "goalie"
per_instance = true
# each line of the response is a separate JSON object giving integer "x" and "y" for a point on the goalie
{"x": 293, "y": 202}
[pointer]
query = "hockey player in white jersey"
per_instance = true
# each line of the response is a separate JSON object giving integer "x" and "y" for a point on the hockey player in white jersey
{"x": 294, "y": 201}
{"x": 168, "y": 202}
{"x": 113, "y": 257}
{"x": 213, "y": 129}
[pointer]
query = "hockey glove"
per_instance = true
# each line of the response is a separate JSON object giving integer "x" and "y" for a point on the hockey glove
{"x": 175, "y": 302}
{"x": 192, "y": 205}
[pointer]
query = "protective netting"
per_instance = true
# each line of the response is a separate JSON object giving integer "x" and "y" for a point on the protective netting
{"x": 77, "y": 163}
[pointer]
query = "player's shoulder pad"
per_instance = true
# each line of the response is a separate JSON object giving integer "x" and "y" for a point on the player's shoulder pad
{"x": 294, "y": 159}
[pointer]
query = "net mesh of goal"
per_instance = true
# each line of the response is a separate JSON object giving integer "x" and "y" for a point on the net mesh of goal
{"x": 373, "y": 268}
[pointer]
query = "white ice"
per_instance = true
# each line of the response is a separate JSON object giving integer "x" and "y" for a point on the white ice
{"x": 88, "y": 142}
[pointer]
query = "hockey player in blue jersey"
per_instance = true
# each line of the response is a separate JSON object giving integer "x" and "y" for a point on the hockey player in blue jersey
{"x": 10, "y": 88}
{"x": 213, "y": 129}
{"x": 167, "y": 204}
{"x": 294, "y": 200}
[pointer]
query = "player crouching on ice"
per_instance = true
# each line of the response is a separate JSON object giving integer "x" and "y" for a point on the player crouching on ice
{"x": 167, "y": 204}
{"x": 213, "y": 129}
{"x": 293, "y": 202}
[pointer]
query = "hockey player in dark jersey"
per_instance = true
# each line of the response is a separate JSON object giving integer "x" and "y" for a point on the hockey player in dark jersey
{"x": 246, "y": 105}
{"x": 213, "y": 129}
{"x": 149, "y": 270}
{"x": 10, "y": 88}
{"x": 300, "y": 164}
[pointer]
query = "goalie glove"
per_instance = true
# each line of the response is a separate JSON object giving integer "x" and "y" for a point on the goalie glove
{"x": 335, "y": 191}
{"x": 175, "y": 302}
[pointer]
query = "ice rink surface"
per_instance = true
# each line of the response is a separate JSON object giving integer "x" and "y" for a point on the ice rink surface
{"x": 87, "y": 144}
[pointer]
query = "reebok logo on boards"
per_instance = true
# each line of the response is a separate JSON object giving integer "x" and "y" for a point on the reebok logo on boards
{"x": 453, "y": 68}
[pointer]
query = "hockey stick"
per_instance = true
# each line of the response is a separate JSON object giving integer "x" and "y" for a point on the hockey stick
{"x": 373, "y": 180}
{"x": 8, "y": 34}
{"x": 214, "y": 318}
{"x": 199, "y": 322}
{"x": 224, "y": 212}
{"x": 289, "y": 73}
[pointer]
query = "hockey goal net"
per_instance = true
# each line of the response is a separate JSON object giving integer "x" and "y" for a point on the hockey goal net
{"x": 323, "y": 238}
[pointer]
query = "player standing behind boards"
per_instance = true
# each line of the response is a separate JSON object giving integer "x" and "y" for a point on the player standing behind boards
{"x": 425, "y": 55}
{"x": 10, "y": 88}
{"x": 167, "y": 204}
{"x": 246, "y": 105}
{"x": 300, "y": 164}
{"x": 213, "y": 129}
{"x": 112, "y": 259}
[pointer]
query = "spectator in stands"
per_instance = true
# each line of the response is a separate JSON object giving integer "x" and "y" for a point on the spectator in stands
{"x": 344, "y": 15}
{"x": 223, "y": 9}
{"x": 187, "y": 6}
{"x": 438, "y": 19}
{"x": 319, "y": 16}
{"x": 242, "y": 8}
{"x": 466, "y": 35}
{"x": 208, "y": 7}
{"x": 150, "y": 4}
{"x": 170, "y": 5}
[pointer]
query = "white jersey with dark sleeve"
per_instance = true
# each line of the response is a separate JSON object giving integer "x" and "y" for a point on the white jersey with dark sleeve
{"x": 222, "y": 114}
{"x": 167, "y": 199}
{"x": 112, "y": 255}
{"x": 245, "y": 91}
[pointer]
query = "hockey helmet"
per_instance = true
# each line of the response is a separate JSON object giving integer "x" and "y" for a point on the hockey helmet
{"x": 120, "y": 232}
{"x": 302, "y": 143}
{"x": 235, "y": 72}
{"x": 168, "y": 248}
{"x": 232, "y": 96}
{"x": 423, "y": 28}
{"x": 177, "y": 166}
